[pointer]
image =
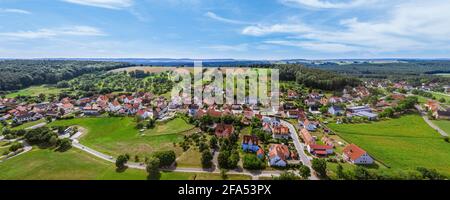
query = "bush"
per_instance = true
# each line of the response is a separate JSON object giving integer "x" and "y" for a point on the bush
{"x": 121, "y": 161}
{"x": 252, "y": 162}
{"x": 16, "y": 146}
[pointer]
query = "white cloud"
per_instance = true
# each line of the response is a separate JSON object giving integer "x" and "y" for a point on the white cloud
{"x": 54, "y": 32}
{"x": 261, "y": 30}
{"x": 407, "y": 27}
{"x": 327, "y": 3}
{"x": 13, "y": 10}
{"x": 109, "y": 4}
{"x": 222, "y": 19}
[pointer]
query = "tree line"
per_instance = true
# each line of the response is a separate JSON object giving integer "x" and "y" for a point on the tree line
{"x": 18, "y": 74}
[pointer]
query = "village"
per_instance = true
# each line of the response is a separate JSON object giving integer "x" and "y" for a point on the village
{"x": 296, "y": 133}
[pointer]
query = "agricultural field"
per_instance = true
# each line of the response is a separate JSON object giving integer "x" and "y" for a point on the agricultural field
{"x": 36, "y": 91}
{"x": 443, "y": 74}
{"x": 115, "y": 136}
{"x": 443, "y": 124}
{"x": 438, "y": 96}
{"x": 403, "y": 143}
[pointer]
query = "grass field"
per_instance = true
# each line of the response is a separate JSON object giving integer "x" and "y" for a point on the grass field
{"x": 71, "y": 165}
{"x": 403, "y": 143}
{"x": 42, "y": 164}
{"x": 115, "y": 136}
{"x": 438, "y": 96}
{"x": 443, "y": 124}
{"x": 443, "y": 74}
{"x": 35, "y": 91}
{"x": 190, "y": 158}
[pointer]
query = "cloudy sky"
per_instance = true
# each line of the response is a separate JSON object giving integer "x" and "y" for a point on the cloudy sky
{"x": 244, "y": 29}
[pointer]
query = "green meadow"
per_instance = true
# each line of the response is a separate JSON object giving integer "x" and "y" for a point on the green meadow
{"x": 118, "y": 135}
{"x": 403, "y": 143}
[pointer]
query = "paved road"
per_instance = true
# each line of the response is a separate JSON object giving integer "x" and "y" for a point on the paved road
{"x": 37, "y": 126}
{"x": 26, "y": 148}
{"x": 429, "y": 122}
{"x": 306, "y": 160}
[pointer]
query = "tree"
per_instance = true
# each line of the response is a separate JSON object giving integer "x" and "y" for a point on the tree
{"x": 430, "y": 174}
{"x": 166, "y": 158}
{"x": 223, "y": 174}
{"x": 206, "y": 159}
{"x": 121, "y": 161}
{"x": 151, "y": 124}
{"x": 48, "y": 119}
{"x": 136, "y": 158}
{"x": 213, "y": 142}
{"x": 305, "y": 172}
{"x": 152, "y": 168}
{"x": 340, "y": 172}
{"x": 287, "y": 176}
{"x": 252, "y": 162}
{"x": 362, "y": 173}
{"x": 442, "y": 100}
{"x": 65, "y": 144}
{"x": 139, "y": 125}
{"x": 16, "y": 146}
{"x": 320, "y": 166}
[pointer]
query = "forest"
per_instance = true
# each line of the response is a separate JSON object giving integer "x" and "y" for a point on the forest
{"x": 310, "y": 77}
{"x": 18, "y": 74}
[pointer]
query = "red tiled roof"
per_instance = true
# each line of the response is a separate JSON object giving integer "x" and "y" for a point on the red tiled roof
{"x": 307, "y": 137}
{"x": 279, "y": 150}
{"x": 318, "y": 147}
{"x": 353, "y": 152}
{"x": 224, "y": 130}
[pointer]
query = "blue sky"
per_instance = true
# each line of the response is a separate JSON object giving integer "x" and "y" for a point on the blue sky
{"x": 242, "y": 29}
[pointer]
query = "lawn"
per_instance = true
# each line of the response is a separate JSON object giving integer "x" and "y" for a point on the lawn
{"x": 43, "y": 164}
{"x": 403, "y": 143}
{"x": 35, "y": 91}
{"x": 190, "y": 158}
{"x": 115, "y": 136}
{"x": 443, "y": 124}
{"x": 438, "y": 96}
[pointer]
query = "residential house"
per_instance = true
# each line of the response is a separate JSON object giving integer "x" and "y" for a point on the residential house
{"x": 309, "y": 125}
{"x": 91, "y": 110}
{"x": 442, "y": 114}
{"x": 291, "y": 94}
{"x": 320, "y": 150}
{"x": 293, "y": 114}
{"x": 115, "y": 106}
{"x": 144, "y": 114}
{"x": 280, "y": 132}
{"x": 250, "y": 143}
{"x": 25, "y": 117}
{"x": 336, "y": 110}
{"x": 307, "y": 138}
{"x": 278, "y": 155}
{"x": 224, "y": 130}
{"x": 356, "y": 155}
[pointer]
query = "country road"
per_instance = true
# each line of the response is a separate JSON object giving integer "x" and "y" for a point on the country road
{"x": 429, "y": 122}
